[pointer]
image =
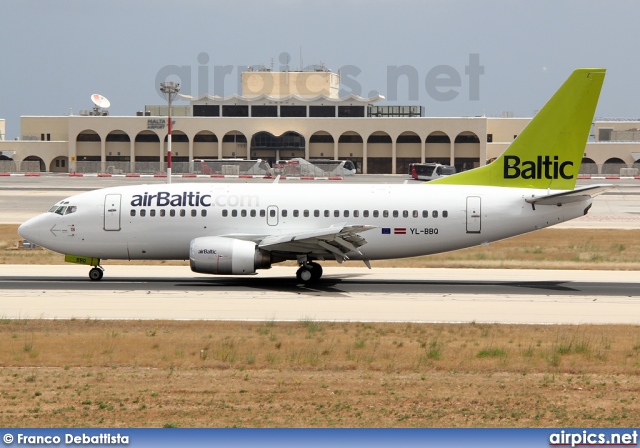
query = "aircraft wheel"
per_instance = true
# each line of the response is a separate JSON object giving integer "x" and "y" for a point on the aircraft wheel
{"x": 96, "y": 274}
{"x": 316, "y": 271}
{"x": 305, "y": 274}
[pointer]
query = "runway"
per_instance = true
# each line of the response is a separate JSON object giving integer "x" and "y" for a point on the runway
{"x": 344, "y": 294}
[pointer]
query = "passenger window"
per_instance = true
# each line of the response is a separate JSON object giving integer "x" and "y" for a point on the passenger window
{"x": 183, "y": 213}
{"x": 243, "y": 213}
{"x": 284, "y": 213}
{"x": 163, "y": 212}
{"x": 415, "y": 213}
{"x": 336, "y": 213}
{"x": 234, "y": 213}
{"x": 405, "y": 214}
{"x": 316, "y": 213}
{"x": 194, "y": 213}
{"x": 152, "y": 212}
{"x": 262, "y": 213}
{"x": 305, "y": 213}
{"x": 143, "y": 212}
{"x": 253, "y": 213}
{"x": 385, "y": 214}
{"x": 203, "y": 213}
{"x": 365, "y": 213}
{"x": 376, "y": 213}
{"x": 296, "y": 213}
{"x": 327, "y": 213}
{"x": 225, "y": 213}
{"x": 172, "y": 212}
{"x": 395, "y": 213}
{"x": 445, "y": 214}
{"x": 133, "y": 212}
{"x": 434, "y": 213}
{"x": 425, "y": 213}
{"x": 356, "y": 213}
{"x": 346, "y": 213}
{"x": 272, "y": 213}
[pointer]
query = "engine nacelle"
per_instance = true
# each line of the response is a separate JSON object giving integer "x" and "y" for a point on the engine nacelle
{"x": 227, "y": 256}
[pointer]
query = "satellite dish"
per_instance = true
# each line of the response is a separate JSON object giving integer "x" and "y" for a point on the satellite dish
{"x": 100, "y": 101}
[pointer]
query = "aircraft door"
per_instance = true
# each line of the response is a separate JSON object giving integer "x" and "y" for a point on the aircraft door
{"x": 272, "y": 215}
{"x": 474, "y": 215}
{"x": 112, "y": 212}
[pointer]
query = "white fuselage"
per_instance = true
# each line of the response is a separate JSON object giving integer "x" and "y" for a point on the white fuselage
{"x": 159, "y": 221}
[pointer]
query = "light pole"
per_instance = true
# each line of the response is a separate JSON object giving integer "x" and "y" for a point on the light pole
{"x": 169, "y": 91}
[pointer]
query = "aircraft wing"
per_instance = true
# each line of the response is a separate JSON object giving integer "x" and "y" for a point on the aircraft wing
{"x": 567, "y": 197}
{"x": 334, "y": 241}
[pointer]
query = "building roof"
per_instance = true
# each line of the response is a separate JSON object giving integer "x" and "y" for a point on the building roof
{"x": 266, "y": 98}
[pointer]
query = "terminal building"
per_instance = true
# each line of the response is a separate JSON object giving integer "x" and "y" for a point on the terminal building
{"x": 285, "y": 115}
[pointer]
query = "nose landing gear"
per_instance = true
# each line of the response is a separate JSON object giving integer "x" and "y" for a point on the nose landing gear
{"x": 96, "y": 273}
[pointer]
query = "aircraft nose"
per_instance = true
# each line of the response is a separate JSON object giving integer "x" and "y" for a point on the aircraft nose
{"x": 32, "y": 230}
{"x": 25, "y": 230}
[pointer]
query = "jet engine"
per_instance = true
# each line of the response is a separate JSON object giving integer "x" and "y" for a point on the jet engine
{"x": 227, "y": 256}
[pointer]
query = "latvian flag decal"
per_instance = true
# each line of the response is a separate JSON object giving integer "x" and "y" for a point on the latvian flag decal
{"x": 400, "y": 231}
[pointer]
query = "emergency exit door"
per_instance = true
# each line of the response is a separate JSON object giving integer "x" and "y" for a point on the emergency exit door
{"x": 272, "y": 215}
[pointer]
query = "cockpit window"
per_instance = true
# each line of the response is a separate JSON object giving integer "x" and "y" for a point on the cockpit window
{"x": 63, "y": 209}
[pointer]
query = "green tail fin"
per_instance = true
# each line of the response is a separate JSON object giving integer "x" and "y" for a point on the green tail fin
{"x": 548, "y": 152}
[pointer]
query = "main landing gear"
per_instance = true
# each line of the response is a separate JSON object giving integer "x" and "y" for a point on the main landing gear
{"x": 96, "y": 273}
{"x": 309, "y": 272}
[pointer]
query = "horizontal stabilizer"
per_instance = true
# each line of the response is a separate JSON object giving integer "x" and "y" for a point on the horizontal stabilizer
{"x": 566, "y": 197}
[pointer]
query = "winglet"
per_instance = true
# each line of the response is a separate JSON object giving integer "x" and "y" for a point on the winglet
{"x": 549, "y": 151}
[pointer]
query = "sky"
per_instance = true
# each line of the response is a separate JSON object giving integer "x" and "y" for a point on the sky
{"x": 456, "y": 58}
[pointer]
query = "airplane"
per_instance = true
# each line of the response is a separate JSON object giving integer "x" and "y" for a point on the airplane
{"x": 237, "y": 229}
